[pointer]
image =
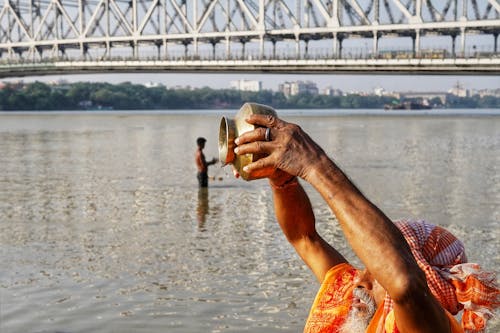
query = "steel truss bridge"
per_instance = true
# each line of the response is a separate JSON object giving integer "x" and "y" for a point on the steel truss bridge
{"x": 39, "y": 37}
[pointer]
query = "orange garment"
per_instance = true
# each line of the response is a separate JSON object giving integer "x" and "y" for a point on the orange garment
{"x": 333, "y": 302}
{"x": 389, "y": 323}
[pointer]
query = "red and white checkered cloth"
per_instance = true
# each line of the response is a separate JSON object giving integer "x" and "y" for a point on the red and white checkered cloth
{"x": 454, "y": 282}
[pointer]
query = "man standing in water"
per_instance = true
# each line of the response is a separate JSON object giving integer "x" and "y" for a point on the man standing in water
{"x": 201, "y": 163}
{"x": 416, "y": 276}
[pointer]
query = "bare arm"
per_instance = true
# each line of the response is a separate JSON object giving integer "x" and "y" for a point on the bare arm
{"x": 296, "y": 219}
{"x": 382, "y": 248}
{"x": 372, "y": 236}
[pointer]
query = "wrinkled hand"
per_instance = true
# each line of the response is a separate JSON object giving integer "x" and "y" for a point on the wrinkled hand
{"x": 291, "y": 151}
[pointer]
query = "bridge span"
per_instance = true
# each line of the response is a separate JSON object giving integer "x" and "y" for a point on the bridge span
{"x": 39, "y": 37}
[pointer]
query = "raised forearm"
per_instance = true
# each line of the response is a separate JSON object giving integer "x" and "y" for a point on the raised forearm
{"x": 293, "y": 211}
{"x": 371, "y": 234}
{"x": 296, "y": 219}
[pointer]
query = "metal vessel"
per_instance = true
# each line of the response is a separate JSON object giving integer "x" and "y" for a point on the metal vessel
{"x": 230, "y": 129}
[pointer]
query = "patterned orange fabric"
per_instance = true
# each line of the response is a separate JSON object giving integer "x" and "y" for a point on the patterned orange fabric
{"x": 478, "y": 292}
{"x": 333, "y": 300}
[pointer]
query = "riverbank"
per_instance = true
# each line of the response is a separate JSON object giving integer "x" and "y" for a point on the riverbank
{"x": 128, "y": 96}
{"x": 284, "y": 113}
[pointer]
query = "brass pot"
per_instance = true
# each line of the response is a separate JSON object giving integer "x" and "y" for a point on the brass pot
{"x": 230, "y": 129}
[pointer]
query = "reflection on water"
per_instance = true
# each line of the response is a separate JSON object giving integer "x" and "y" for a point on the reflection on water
{"x": 202, "y": 208}
{"x": 103, "y": 227}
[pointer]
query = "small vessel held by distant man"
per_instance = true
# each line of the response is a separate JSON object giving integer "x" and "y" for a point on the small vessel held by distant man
{"x": 408, "y": 105}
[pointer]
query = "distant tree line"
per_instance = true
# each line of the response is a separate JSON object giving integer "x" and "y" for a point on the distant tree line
{"x": 128, "y": 96}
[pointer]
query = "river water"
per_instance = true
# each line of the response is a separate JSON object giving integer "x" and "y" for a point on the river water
{"x": 103, "y": 228}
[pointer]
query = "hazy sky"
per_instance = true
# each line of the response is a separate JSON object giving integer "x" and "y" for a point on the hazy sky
{"x": 271, "y": 81}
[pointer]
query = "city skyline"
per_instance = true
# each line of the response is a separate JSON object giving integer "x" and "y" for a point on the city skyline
{"x": 362, "y": 83}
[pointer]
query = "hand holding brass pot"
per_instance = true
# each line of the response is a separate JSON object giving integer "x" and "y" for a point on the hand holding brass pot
{"x": 230, "y": 129}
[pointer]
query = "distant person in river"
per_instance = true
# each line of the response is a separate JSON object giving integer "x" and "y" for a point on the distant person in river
{"x": 416, "y": 275}
{"x": 201, "y": 163}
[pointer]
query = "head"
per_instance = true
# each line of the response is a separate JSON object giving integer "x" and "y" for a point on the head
{"x": 367, "y": 295}
{"x": 201, "y": 142}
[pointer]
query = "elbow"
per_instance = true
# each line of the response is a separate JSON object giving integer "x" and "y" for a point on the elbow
{"x": 305, "y": 243}
{"x": 408, "y": 285}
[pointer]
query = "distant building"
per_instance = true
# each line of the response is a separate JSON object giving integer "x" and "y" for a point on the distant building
{"x": 488, "y": 92}
{"x": 15, "y": 85}
{"x": 154, "y": 85}
{"x": 329, "y": 91}
{"x": 60, "y": 85}
{"x": 246, "y": 85}
{"x": 60, "y": 82}
{"x": 459, "y": 90}
{"x": 179, "y": 87}
{"x": 285, "y": 88}
{"x": 298, "y": 87}
{"x": 379, "y": 91}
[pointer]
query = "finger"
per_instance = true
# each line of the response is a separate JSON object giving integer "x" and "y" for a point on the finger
{"x": 264, "y": 120}
{"x": 257, "y": 134}
{"x": 265, "y": 162}
{"x": 236, "y": 174}
{"x": 255, "y": 147}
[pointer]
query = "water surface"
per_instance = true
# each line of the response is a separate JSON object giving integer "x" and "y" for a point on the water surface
{"x": 103, "y": 228}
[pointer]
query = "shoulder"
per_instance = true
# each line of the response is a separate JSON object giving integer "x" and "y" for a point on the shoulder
{"x": 338, "y": 284}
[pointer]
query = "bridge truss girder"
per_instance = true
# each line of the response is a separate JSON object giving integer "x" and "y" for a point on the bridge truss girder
{"x": 52, "y": 30}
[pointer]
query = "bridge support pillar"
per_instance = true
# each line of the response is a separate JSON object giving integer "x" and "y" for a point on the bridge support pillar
{"x": 416, "y": 43}
{"x": 108, "y": 49}
{"x": 261, "y": 47}
{"x": 335, "y": 46}
{"x": 195, "y": 44}
{"x": 83, "y": 51}
{"x": 158, "y": 50}
{"x": 243, "y": 50}
{"x": 297, "y": 46}
{"x": 462, "y": 42}
{"x": 375, "y": 44}
{"x": 341, "y": 39}
{"x": 135, "y": 49}
{"x": 453, "y": 40}
{"x": 214, "y": 48}
{"x": 495, "y": 42}
{"x": 228, "y": 48}
{"x": 165, "y": 49}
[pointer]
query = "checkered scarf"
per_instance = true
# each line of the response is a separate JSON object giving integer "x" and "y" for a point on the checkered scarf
{"x": 456, "y": 284}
